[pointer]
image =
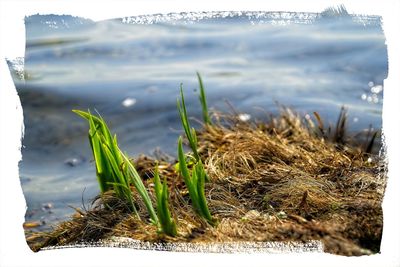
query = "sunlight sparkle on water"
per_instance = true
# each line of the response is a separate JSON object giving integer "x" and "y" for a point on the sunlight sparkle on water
{"x": 128, "y": 102}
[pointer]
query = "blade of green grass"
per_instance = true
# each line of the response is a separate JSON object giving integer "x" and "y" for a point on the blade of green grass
{"x": 182, "y": 160}
{"x": 133, "y": 176}
{"x": 167, "y": 223}
{"x": 190, "y": 132}
{"x": 186, "y": 175}
{"x": 371, "y": 142}
{"x": 203, "y": 101}
{"x": 102, "y": 165}
{"x": 199, "y": 169}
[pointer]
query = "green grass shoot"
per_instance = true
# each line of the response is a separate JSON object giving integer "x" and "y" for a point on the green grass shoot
{"x": 195, "y": 184}
{"x": 130, "y": 171}
{"x": 167, "y": 223}
{"x": 190, "y": 132}
{"x": 203, "y": 102}
{"x": 113, "y": 168}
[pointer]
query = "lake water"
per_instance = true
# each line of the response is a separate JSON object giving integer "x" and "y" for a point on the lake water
{"x": 130, "y": 72}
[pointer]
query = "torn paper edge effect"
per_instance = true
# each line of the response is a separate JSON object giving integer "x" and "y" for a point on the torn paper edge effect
{"x": 16, "y": 67}
{"x": 254, "y": 17}
{"x": 17, "y": 252}
{"x": 314, "y": 246}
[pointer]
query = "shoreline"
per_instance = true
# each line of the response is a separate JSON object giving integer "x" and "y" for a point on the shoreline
{"x": 295, "y": 184}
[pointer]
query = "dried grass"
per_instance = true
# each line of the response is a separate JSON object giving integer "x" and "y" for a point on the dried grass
{"x": 285, "y": 180}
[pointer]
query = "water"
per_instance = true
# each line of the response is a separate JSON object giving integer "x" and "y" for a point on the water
{"x": 130, "y": 73}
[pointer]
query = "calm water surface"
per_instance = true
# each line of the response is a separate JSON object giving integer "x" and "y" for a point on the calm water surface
{"x": 130, "y": 73}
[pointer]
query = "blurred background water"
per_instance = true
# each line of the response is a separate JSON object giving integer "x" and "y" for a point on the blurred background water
{"x": 130, "y": 70}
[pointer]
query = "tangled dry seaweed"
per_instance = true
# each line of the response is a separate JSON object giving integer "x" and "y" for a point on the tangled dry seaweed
{"x": 284, "y": 180}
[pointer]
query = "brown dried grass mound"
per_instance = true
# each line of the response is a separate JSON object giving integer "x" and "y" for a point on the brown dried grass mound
{"x": 285, "y": 180}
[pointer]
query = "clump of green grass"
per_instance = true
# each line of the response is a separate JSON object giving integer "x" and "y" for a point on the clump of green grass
{"x": 101, "y": 141}
{"x": 195, "y": 184}
{"x": 113, "y": 168}
{"x": 203, "y": 102}
{"x": 167, "y": 223}
{"x": 196, "y": 180}
{"x": 190, "y": 132}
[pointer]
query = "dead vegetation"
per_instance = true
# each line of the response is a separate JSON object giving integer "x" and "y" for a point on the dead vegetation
{"x": 289, "y": 179}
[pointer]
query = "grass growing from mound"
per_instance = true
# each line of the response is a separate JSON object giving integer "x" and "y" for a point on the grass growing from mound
{"x": 113, "y": 167}
{"x": 286, "y": 179}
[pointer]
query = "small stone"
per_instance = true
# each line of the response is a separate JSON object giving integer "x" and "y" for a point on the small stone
{"x": 47, "y": 206}
{"x": 72, "y": 162}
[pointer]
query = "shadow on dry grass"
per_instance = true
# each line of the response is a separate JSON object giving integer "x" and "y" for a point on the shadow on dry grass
{"x": 288, "y": 179}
